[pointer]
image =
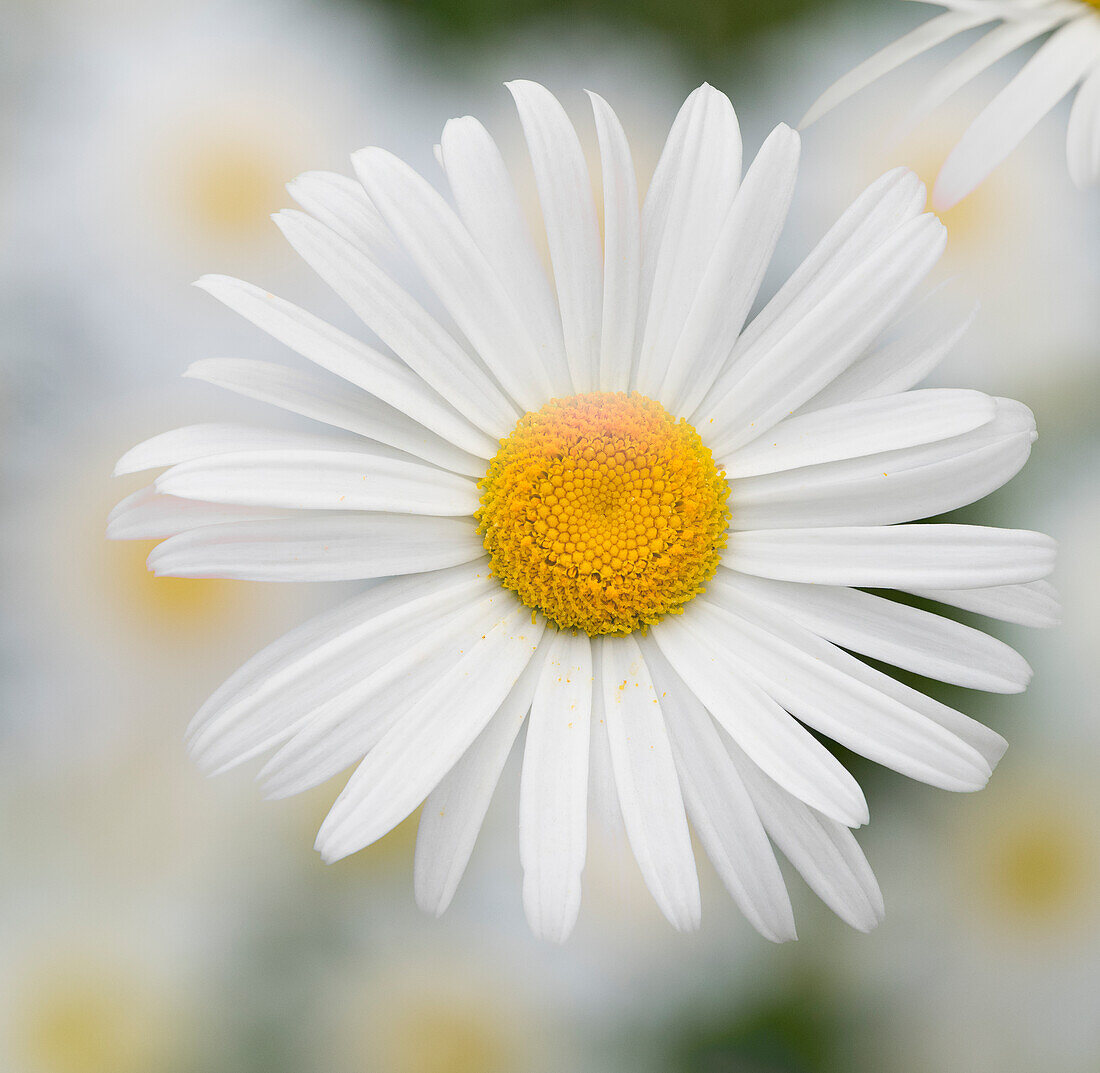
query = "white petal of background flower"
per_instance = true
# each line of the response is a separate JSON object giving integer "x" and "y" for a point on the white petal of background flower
{"x": 1058, "y": 67}
{"x": 1021, "y": 244}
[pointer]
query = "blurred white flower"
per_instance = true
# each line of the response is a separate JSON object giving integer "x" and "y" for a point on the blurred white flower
{"x": 994, "y": 935}
{"x": 604, "y": 517}
{"x": 87, "y": 986}
{"x": 153, "y": 141}
{"x": 1069, "y": 60}
{"x": 103, "y": 658}
{"x": 414, "y": 1005}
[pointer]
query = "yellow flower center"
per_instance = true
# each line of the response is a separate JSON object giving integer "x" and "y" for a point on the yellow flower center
{"x": 604, "y": 512}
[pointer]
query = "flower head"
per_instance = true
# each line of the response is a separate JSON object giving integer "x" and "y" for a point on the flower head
{"x": 1069, "y": 59}
{"x": 610, "y": 509}
{"x": 603, "y": 512}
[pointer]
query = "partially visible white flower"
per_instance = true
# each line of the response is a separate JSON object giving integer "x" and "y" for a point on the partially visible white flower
{"x": 587, "y": 435}
{"x": 153, "y": 142}
{"x": 91, "y": 982}
{"x": 994, "y": 936}
{"x": 1021, "y": 233}
{"x": 98, "y": 643}
{"x": 408, "y": 1002}
{"x": 1068, "y": 60}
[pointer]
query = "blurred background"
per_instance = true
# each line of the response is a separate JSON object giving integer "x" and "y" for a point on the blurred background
{"x": 154, "y": 922}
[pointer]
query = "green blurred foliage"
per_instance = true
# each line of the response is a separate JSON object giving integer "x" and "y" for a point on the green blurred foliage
{"x": 796, "y": 1031}
{"x": 699, "y": 31}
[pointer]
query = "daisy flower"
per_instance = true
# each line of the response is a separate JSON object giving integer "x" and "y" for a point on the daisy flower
{"x": 420, "y": 1004}
{"x": 613, "y": 509}
{"x": 1069, "y": 59}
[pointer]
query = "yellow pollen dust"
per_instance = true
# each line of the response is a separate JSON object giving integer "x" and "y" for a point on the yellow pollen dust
{"x": 604, "y": 512}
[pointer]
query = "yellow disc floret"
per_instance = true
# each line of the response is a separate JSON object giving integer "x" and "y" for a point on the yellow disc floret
{"x": 604, "y": 512}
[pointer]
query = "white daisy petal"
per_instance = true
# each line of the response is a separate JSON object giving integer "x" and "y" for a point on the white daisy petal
{"x": 983, "y": 54}
{"x": 276, "y": 691}
{"x": 362, "y": 703}
{"x": 824, "y": 852}
{"x": 342, "y": 205}
{"x": 658, "y": 197}
{"x": 324, "y": 398}
{"x": 649, "y": 791}
{"x": 420, "y": 748}
{"x": 458, "y": 272}
{"x": 775, "y": 741}
{"x": 768, "y": 382}
{"x": 321, "y": 480}
{"x": 861, "y": 428}
{"x": 381, "y": 375}
{"x": 728, "y": 287}
{"x": 692, "y": 189}
{"x": 1032, "y": 604}
{"x": 809, "y": 677}
{"x": 622, "y": 250}
{"x": 455, "y": 810}
{"x": 328, "y": 548}
{"x": 906, "y": 353}
{"x": 572, "y": 230}
{"x": 890, "y": 201}
{"x": 894, "y": 557}
{"x": 603, "y": 798}
{"x": 892, "y": 486}
{"x": 147, "y": 515}
{"x": 1045, "y": 79}
{"x": 895, "y": 633}
{"x": 1083, "y": 133}
{"x": 201, "y": 441}
{"x": 400, "y": 322}
{"x": 987, "y": 743}
{"x": 489, "y": 207}
{"x": 720, "y": 808}
{"x": 553, "y": 798}
{"x": 930, "y": 34}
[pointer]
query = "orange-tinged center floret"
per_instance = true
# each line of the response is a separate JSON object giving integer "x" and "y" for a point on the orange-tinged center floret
{"x": 604, "y": 512}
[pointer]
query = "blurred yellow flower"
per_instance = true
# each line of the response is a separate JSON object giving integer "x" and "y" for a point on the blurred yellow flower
{"x": 89, "y": 1011}
{"x": 1032, "y": 856}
